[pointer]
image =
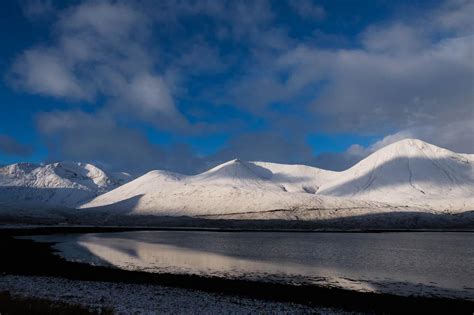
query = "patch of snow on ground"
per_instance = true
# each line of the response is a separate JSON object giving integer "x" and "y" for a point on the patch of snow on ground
{"x": 126, "y": 298}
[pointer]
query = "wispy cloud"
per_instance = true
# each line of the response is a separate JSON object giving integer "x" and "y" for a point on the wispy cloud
{"x": 101, "y": 49}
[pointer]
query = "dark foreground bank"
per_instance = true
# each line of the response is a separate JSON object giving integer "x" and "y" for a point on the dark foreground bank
{"x": 27, "y": 258}
{"x": 12, "y": 304}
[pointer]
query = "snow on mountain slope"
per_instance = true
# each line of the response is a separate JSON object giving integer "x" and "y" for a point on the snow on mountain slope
{"x": 190, "y": 199}
{"x": 151, "y": 183}
{"x": 59, "y": 184}
{"x": 409, "y": 173}
{"x": 235, "y": 187}
{"x": 237, "y": 173}
{"x": 298, "y": 178}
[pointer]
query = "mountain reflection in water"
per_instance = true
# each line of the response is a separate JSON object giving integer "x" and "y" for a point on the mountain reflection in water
{"x": 402, "y": 263}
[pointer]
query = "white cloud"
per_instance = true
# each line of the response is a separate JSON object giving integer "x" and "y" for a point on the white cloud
{"x": 405, "y": 75}
{"x": 370, "y": 91}
{"x": 104, "y": 19}
{"x": 393, "y": 39}
{"x": 456, "y": 16}
{"x": 151, "y": 94}
{"x": 101, "y": 49}
{"x": 404, "y": 78}
{"x": 44, "y": 71}
{"x": 456, "y": 136}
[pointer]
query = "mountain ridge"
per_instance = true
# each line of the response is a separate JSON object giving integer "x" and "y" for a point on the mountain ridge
{"x": 410, "y": 173}
{"x": 55, "y": 184}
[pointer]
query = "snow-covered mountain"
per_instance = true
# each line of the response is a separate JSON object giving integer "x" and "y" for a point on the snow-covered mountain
{"x": 407, "y": 175}
{"x": 233, "y": 187}
{"x": 56, "y": 184}
{"x": 410, "y": 172}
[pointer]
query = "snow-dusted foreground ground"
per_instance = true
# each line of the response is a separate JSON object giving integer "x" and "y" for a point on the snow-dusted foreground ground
{"x": 125, "y": 298}
{"x": 215, "y": 272}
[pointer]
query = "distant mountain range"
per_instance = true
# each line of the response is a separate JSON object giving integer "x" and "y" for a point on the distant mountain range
{"x": 56, "y": 184}
{"x": 406, "y": 176}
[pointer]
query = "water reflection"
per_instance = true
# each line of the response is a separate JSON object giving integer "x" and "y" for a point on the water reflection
{"x": 402, "y": 263}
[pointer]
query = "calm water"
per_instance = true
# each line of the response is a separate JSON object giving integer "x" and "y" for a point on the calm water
{"x": 402, "y": 263}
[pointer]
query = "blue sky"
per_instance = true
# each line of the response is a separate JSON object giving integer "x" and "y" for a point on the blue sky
{"x": 183, "y": 85}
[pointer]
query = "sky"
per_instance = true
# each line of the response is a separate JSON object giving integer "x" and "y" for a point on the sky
{"x": 183, "y": 85}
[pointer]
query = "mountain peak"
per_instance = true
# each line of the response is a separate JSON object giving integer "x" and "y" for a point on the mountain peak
{"x": 237, "y": 169}
{"x": 409, "y": 169}
{"x": 409, "y": 148}
{"x": 61, "y": 183}
{"x": 17, "y": 169}
{"x": 413, "y": 144}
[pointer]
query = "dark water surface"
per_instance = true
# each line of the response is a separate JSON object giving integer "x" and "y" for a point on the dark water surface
{"x": 408, "y": 263}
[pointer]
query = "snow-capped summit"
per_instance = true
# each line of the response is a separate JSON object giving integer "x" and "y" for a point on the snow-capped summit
{"x": 59, "y": 184}
{"x": 16, "y": 170}
{"x": 235, "y": 172}
{"x": 409, "y": 171}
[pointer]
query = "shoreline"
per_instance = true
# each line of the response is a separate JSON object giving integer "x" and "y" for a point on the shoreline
{"x": 27, "y": 230}
{"x": 23, "y": 252}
